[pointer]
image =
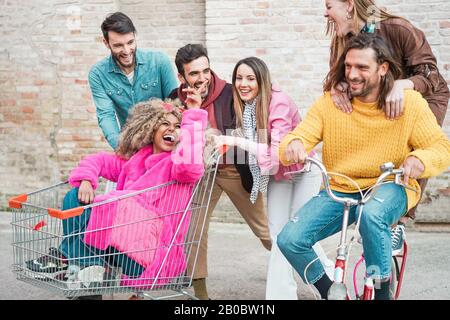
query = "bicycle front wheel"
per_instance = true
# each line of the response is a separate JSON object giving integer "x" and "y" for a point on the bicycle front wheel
{"x": 395, "y": 273}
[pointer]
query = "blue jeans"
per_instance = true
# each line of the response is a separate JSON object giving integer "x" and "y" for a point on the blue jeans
{"x": 321, "y": 217}
{"x": 83, "y": 255}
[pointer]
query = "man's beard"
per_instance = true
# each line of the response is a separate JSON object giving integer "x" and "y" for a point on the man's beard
{"x": 365, "y": 90}
{"x": 204, "y": 95}
{"x": 197, "y": 85}
{"x": 116, "y": 58}
{"x": 368, "y": 85}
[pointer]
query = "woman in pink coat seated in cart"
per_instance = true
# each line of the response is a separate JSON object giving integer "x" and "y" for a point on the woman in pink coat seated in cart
{"x": 154, "y": 148}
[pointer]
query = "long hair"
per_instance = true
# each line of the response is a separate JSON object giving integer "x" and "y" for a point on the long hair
{"x": 143, "y": 121}
{"x": 365, "y": 10}
{"x": 382, "y": 55}
{"x": 262, "y": 75}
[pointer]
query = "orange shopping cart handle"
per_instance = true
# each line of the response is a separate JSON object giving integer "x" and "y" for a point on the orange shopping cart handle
{"x": 16, "y": 202}
{"x": 65, "y": 214}
{"x": 223, "y": 149}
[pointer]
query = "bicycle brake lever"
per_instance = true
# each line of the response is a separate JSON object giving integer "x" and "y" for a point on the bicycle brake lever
{"x": 398, "y": 180}
{"x": 307, "y": 166}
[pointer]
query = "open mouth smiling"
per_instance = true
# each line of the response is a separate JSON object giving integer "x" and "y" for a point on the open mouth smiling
{"x": 169, "y": 138}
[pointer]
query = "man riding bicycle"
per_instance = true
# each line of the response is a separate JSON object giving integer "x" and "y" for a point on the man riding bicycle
{"x": 355, "y": 145}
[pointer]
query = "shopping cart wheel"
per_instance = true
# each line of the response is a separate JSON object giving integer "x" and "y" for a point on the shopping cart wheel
{"x": 137, "y": 296}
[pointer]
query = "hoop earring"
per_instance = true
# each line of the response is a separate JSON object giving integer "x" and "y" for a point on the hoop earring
{"x": 349, "y": 16}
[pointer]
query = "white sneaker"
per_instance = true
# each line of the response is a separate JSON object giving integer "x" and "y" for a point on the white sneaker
{"x": 72, "y": 281}
{"x": 91, "y": 276}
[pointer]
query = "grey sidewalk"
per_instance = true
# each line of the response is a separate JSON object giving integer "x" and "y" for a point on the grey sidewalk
{"x": 237, "y": 265}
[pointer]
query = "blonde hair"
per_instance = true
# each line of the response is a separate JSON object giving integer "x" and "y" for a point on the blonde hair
{"x": 142, "y": 122}
{"x": 365, "y": 10}
{"x": 262, "y": 99}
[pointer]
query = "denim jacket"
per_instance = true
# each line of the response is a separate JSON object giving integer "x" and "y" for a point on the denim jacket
{"x": 114, "y": 95}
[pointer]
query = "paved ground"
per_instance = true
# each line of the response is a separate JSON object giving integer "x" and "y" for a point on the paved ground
{"x": 238, "y": 265}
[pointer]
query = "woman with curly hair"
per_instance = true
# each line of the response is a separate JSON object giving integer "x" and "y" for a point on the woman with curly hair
{"x": 157, "y": 145}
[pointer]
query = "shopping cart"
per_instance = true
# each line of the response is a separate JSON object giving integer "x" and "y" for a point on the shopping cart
{"x": 113, "y": 257}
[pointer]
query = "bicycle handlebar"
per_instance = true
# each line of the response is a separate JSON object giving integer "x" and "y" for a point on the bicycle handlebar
{"x": 386, "y": 169}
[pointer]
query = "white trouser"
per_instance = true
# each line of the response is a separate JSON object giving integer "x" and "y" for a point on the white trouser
{"x": 284, "y": 199}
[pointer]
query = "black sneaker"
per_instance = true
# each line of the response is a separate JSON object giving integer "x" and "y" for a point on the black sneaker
{"x": 51, "y": 265}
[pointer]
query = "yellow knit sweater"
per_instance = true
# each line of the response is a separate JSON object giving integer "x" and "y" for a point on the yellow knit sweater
{"x": 356, "y": 144}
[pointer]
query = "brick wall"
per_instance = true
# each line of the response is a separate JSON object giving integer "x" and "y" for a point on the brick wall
{"x": 167, "y": 24}
{"x": 47, "y": 118}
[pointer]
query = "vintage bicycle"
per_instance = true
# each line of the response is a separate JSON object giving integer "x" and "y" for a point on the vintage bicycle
{"x": 339, "y": 290}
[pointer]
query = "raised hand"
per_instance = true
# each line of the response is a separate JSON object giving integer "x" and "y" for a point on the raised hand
{"x": 194, "y": 98}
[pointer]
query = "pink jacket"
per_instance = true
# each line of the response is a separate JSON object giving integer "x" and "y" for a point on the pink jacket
{"x": 112, "y": 224}
{"x": 283, "y": 118}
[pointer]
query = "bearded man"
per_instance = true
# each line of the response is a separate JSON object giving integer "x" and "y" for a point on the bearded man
{"x": 127, "y": 76}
